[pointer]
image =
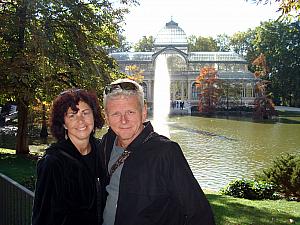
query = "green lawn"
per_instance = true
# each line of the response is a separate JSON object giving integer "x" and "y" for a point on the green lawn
{"x": 20, "y": 168}
{"x": 227, "y": 210}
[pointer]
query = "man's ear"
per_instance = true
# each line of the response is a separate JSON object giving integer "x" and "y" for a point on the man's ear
{"x": 145, "y": 112}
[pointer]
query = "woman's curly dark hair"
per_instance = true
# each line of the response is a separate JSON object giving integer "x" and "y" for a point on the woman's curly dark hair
{"x": 71, "y": 98}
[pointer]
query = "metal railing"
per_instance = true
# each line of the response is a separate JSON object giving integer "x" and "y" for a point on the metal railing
{"x": 15, "y": 202}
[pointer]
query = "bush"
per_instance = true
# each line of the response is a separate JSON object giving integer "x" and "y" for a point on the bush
{"x": 249, "y": 189}
{"x": 284, "y": 173}
{"x": 29, "y": 182}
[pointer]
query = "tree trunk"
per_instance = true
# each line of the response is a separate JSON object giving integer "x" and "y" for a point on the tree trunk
{"x": 44, "y": 132}
{"x": 22, "y": 136}
{"x": 22, "y": 101}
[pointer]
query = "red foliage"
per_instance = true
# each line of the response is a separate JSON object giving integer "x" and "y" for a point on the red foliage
{"x": 207, "y": 81}
{"x": 261, "y": 66}
{"x": 264, "y": 108}
{"x": 263, "y": 103}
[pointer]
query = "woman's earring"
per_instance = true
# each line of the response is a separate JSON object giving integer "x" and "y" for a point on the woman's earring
{"x": 66, "y": 134}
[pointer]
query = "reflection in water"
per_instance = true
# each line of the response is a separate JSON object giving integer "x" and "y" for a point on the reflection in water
{"x": 200, "y": 132}
{"x": 220, "y": 150}
{"x": 161, "y": 95}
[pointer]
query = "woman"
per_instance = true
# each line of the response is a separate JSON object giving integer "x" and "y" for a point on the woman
{"x": 68, "y": 189}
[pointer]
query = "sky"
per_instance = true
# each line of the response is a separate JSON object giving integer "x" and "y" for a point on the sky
{"x": 196, "y": 17}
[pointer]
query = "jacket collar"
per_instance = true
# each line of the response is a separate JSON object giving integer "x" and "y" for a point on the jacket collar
{"x": 109, "y": 138}
{"x": 68, "y": 147}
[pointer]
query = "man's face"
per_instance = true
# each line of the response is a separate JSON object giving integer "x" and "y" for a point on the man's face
{"x": 125, "y": 117}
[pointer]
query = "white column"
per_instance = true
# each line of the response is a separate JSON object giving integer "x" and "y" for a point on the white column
{"x": 182, "y": 90}
{"x": 189, "y": 91}
{"x": 149, "y": 90}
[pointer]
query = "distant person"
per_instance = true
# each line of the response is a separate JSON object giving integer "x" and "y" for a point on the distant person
{"x": 150, "y": 179}
{"x": 68, "y": 188}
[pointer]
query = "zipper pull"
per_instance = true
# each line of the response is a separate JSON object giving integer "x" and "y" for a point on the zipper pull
{"x": 98, "y": 184}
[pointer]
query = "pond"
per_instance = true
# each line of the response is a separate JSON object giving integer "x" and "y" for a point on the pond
{"x": 222, "y": 149}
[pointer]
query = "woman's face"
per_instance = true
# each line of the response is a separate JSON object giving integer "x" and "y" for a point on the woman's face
{"x": 79, "y": 124}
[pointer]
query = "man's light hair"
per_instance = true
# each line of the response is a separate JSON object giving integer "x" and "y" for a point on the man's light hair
{"x": 139, "y": 92}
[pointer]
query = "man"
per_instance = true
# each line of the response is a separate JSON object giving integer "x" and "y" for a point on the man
{"x": 150, "y": 179}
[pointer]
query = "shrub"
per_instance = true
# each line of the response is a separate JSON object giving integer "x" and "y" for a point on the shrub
{"x": 29, "y": 182}
{"x": 249, "y": 189}
{"x": 284, "y": 173}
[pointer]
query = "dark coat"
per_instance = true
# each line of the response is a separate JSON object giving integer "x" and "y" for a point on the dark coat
{"x": 157, "y": 186}
{"x": 66, "y": 188}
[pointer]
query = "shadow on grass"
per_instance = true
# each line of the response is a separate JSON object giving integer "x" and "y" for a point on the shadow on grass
{"x": 288, "y": 121}
{"x": 21, "y": 168}
{"x": 289, "y": 114}
{"x": 229, "y": 210}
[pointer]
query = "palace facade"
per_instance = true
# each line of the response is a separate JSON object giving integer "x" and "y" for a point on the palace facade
{"x": 185, "y": 66}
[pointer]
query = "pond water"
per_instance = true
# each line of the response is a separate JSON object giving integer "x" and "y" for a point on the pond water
{"x": 222, "y": 149}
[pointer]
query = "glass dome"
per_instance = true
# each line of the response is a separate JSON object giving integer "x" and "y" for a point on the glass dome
{"x": 171, "y": 34}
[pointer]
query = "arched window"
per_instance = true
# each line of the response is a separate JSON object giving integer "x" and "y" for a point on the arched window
{"x": 195, "y": 92}
{"x": 249, "y": 90}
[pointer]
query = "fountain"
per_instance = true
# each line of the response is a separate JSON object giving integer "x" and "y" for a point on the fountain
{"x": 161, "y": 104}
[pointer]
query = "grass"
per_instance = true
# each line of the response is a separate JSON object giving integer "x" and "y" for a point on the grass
{"x": 20, "y": 168}
{"x": 237, "y": 211}
{"x": 227, "y": 210}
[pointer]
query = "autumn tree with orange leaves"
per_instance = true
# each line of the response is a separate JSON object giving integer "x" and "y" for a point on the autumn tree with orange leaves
{"x": 263, "y": 103}
{"x": 207, "y": 81}
{"x": 135, "y": 73}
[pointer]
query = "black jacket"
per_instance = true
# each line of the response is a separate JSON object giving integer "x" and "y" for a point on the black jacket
{"x": 157, "y": 186}
{"x": 67, "y": 191}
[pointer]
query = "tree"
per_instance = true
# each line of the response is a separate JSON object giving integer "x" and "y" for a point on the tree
{"x": 146, "y": 44}
{"x": 208, "y": 98}
{"x": 202, "y": 44}
{"x": 223, "y": 41}
{"x": 280, "y": 44}
{"x": 135, "y": 73}
{"x": 122, "y": 46}
{"x": 263, "y": 103}
{"x": 241, "y": 42}
{"x": 288, "y": 8}
{"x": 47, "y": 46}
